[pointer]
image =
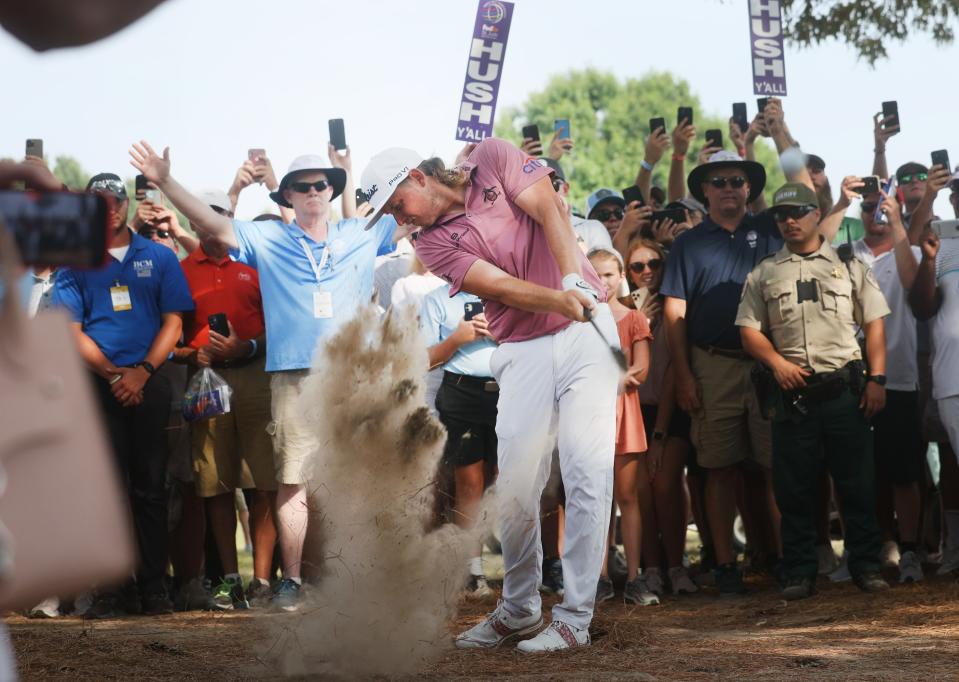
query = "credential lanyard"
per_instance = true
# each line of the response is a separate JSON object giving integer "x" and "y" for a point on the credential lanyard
{"x": 317, "y": 267}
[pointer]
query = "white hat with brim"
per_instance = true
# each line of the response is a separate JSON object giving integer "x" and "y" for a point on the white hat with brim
{"x": 306, "y": 163}
{"x": 726, "y": 159}
{"x": 383, "y": 174}
{"x": 216, "y": 199}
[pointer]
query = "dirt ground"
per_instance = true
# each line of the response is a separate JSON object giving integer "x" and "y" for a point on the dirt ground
{"x": 910, "y": 632}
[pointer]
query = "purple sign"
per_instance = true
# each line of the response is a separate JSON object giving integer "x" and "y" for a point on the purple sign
{"x": 766, "y": 42}
{"x": 483, "y": 70}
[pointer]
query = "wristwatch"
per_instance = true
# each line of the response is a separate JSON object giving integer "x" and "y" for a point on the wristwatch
{"x": 148, "y": 366}
{"x": 877, "y": 378}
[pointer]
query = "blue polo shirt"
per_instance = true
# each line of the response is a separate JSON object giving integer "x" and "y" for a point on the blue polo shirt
{"x": 440, "y": 315}
{"x": 707, "y": 267}
{"x": 156, "y": 284}
{"x": 287, "y": 280}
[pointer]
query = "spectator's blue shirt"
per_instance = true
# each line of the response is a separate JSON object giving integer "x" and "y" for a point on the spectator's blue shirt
{"x": 707, "y": 267}
{"x": 440, "y": 315}
{"x": 288, "y": 282}
{"x": 155, "y": 281}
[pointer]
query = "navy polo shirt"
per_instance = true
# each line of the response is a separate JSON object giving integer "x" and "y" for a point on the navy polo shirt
{"x": 707, "y": 268}
{"x": 156, "y": 283}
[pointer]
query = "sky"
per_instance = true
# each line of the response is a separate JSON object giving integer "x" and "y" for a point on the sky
{"x": 212, "y": 78}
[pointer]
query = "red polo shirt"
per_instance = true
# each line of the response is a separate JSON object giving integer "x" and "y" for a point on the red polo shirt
{"x": 221, "y": 286}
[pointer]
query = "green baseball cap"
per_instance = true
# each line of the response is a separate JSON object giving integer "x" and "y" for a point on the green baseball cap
{"x": 794, "y": 194}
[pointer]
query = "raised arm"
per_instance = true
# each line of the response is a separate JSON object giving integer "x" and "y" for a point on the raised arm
{"x": 348, "y": 198}
{"x": 881, "y": 135}
{"x": 656, "y": 145}
{"x": 683, "y": 134}
{"x": 938, "y": 179}
{"x": 541, "y": 203}
{"x": 924, "y": 296}
{"x": 829, "y": 226}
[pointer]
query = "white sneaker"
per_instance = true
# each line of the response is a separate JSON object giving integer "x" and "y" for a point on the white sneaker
{"x": 48, "y": 608}
{"x": 828, "y": 561}
{"x": 654, "y": 581}
{"x": 910, "y": 570}
{"x": 558, "y": 635}
{"x": 841, "y": 574}
{"x": 498, "y": 627}
{"x": 889, "y": 554}
{"x": 681, "y": 582}
{"x": 950, "y": 561}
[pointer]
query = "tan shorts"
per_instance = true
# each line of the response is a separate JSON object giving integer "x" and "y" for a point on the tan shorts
{"x": 729, "y": 428}
{"x": 295, "y": 443}
{"x": 234, "y": 450}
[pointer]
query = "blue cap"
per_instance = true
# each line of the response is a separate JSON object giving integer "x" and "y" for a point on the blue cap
{"x": 603, "y": 194}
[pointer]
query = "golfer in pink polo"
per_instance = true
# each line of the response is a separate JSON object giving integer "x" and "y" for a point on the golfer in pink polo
{"x": 495, "y": 227}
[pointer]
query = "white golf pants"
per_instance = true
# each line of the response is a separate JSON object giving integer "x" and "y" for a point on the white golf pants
{"x": 562, "y": 385}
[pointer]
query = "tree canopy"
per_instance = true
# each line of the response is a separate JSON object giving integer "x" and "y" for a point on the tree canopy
{"x": 609, "y": 124}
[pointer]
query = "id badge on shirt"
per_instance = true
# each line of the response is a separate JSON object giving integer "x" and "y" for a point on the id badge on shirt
{"x": 322, "y": 305}
{"x": 120, "y": 295}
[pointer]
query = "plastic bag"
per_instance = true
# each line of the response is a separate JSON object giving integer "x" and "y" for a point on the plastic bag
{"x": 207, "y": 395}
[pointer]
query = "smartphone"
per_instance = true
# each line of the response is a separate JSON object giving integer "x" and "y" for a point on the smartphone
{"x": 870, "y": 185}
{"x": 740, "y": 116}
{"x": 941, "y": 158}
{"x": 891, "y": 109}
{"x": 561, "y": 126}
{"x": 58, "y": 228}
{"x": 657, "y": 123}
{"x": 879, "y": 217}
{"x": 255, "y": 155}
{"x": 531, "y": 132}
{"x": 761, "y": 104}
{"x": 35, "y": 148}
{"x": 684, "y": 113}
{"x": 639, "y": 297}
{"x": 472, "y": 309}
{"x": 140, "y": 187}
{"x": 714, "y": 137}
{"x": 218, "y": 324}
{"x": 677, "y": 215}
{"x": 360, "y": 196}
{"x": 337, "y": 133}
{"x": 633, "y": 193}
{"x": 153, "y": 196}
{"x": 946, "y": 229}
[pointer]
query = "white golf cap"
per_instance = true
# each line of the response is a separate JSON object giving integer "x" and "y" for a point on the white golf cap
{"x": 382, "y": 176}
{"x": 217, "y": 199}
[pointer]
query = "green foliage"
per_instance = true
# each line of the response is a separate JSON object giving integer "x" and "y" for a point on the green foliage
{"x": 69, "y": 171}
{"x": 868, "y": 25}
{"x": 609, "y": 124}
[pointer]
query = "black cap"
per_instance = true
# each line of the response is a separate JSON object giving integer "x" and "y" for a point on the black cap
{"x": 557, "y": 169}
{"x": 108, "y": 183}
{"x": 909, "y": 169}
{"x": 815, "y": 161}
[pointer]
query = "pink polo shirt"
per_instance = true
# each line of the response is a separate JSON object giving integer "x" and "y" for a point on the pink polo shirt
{"x": 496, "y": 230}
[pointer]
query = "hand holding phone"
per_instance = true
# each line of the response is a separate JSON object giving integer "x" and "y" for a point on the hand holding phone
{"x": 684, "y": 114}
{"x": 633, "y": 193}
{"x": 714, "y": 138}
{"x": 941, "y": 158}
{"x": 561, "y": 128}
{"x": 870, "y": 185}
{"x": 218, "y": 323}
{"x": 35, "y": 148}
{"x": 337, "y": 134}
{"x": 740, "y": 117}
{"x": 890, "y": 111}
{"x": 531, "y": 141}
{"x": 472, "y": 309}
{"x": 655, "y": 124}
{"x": 761, "y": 104}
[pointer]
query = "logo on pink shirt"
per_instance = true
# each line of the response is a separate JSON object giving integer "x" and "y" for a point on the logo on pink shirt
{"x": 490, "y": 194}
{"x": 532, "y": 164}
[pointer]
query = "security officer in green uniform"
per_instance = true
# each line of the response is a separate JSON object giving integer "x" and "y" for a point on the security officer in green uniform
{"x": 799, "y": 314}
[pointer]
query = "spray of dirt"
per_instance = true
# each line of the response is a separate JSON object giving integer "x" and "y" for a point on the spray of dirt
{"x": 389, "y": 586}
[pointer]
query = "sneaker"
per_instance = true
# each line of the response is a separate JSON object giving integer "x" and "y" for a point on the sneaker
{"x": 910, "y": 569}
{"x": 156, "y": 604}
{"x": 841, "y": 574}
{"x": 616, "y": 565}
{"x": 106, "y": 605}
{"x": 654, "y": 581}
{"x": 257, "y": 593}
{"x": 604, "y": 590}
{"x": 680, "y": 581}
{"x": 638, "y": 592}
{"x": 799, "y": 588}
{"x": 950, "y": 561}
{"x": 828, "y": 561}
{"x": 498, "y": 627}
{"x": 707, "y": 566}
{"x": 558, "y": 635}
{"x": 889, "y": 554}
{"x": 286, "y": 595}
{"x": 729, "y": 580}
{"x": 229, "y": 595}
{"x": 870, "y": 582}
{"x": 552, "y": 577}
{"x": 194, "y": 596}
{"x": 477, "y": 588}
{"x": 48, "y": 608}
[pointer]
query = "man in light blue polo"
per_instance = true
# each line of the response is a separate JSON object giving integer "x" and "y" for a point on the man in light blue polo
{"x": 314, "y": 275}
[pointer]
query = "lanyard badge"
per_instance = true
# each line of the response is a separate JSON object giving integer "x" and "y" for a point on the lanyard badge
{"x": 322, "y": 300}
{"x": 120, "y": 296}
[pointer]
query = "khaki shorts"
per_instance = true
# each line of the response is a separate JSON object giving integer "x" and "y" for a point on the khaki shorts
{"x": 234, "y": 450}
{"x": 295, "y": 443}
{"x": 728, "y": 428}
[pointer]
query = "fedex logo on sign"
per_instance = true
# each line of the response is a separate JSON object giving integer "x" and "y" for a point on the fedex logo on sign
{"x": 766, "y": 37}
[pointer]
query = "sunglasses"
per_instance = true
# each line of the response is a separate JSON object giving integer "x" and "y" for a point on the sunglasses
{"x": 654, "y": 265}
{"x": 910, "y": 177}
{"x": 558, "y": 184}
{"x": 784, "y": 213}
{"x": 148, "y": 234}
{"x": 735, "y": 182}
{"x": 605, "y": 214}
{"x": 304, "y": 187}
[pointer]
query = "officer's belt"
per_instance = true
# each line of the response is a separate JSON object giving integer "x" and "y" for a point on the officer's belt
{"x": 825, "y": 386}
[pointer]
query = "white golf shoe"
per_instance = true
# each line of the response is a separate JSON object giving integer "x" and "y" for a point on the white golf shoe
{"x": 558, "y": 635}
{"x": 498, "y": 627}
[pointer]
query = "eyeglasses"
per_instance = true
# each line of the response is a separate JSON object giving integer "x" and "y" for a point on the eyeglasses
{"x": 148, "y": 234}
{"x": 784, "y": 213}
{"x": 654, "y": 265}
{"x": 910, "y": 177}
{"x": 605, "y": 214}
{"x": 304, "y": 187}
{"x": 735, "y": 182}
{"x": 558, "y": 184}
{"x": 869, "y": 207}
